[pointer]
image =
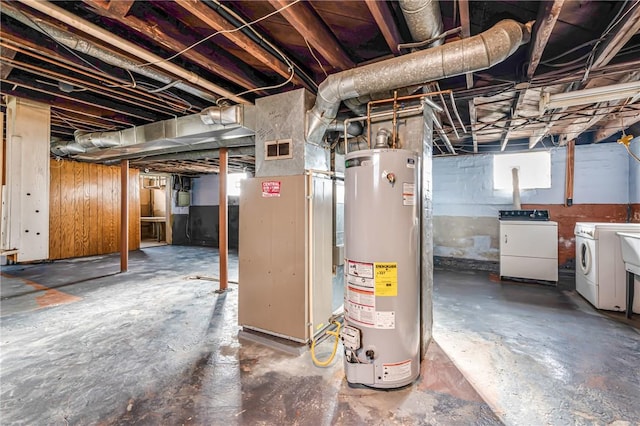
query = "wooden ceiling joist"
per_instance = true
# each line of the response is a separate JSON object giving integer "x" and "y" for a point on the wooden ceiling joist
{"x": 548, "y": 14}
{"x": 312, "y": 29}
{"x": 382, "y": 15}
{"x": 218, "y": 23}
{"x": 617, "y": 122}
{"x": 168, "y": 37}
{"x": 119, "y": 7}
{"x": 45, "y": 55}
{"x": 619, "y": 35}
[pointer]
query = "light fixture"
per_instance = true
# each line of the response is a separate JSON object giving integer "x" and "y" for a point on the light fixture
{"x": 589, "y": 96}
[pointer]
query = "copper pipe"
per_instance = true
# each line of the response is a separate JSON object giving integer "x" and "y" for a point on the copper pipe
{"x": 223, "y": 242}
{"x": 124, "y": 215}
{"x": 409, "y": 97}
{"x": 395, "y": 100}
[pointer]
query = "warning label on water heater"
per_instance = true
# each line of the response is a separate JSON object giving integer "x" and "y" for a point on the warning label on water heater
{"x": 360, "y": 306}
{"x": 396, "y": 371}
{"x": 366, "y": 281}
{"x": 386, "y": 320}
{"x": 360, "y": 269}
{"x": 408, "y": 194}
{"x": 386, "y": 278}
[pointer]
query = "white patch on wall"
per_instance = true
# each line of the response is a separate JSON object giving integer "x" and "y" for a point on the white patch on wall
{"x": 233, "y": 183}
{"x": 534, "y": 170}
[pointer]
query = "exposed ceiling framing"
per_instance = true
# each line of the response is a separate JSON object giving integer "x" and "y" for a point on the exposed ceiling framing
{"x": 183, "y": 56}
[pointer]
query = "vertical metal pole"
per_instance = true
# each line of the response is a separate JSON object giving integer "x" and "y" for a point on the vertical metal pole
{"x": 426, "y": 237}
{"x": 223, "y": 224}
{"x": 124, "y": 215}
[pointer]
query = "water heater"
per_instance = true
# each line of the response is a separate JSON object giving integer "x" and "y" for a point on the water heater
{"x": 381, "y": 333}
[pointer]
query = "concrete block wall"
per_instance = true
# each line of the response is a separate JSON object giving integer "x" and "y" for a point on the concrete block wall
{"x": 466, "y": 205}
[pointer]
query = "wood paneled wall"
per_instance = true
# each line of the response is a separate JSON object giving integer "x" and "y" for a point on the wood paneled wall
{"x": 84, "y": 209}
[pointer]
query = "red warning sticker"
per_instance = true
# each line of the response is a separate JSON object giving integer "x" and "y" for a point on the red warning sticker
{"x": 271, "y": 188}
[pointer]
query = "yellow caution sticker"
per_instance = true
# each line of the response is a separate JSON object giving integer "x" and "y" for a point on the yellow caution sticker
{"x": 386, "y": 277}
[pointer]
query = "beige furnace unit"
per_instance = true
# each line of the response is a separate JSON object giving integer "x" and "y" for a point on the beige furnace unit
{"x": 285, "y": 255}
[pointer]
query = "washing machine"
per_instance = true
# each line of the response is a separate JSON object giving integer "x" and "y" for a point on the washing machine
{"x": 600, "y": 273}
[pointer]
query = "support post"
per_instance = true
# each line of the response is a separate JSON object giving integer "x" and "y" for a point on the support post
{"x": 426, "y": 234}
{"x": 223, "y": 224}
{"x": 124, "y": 215}
{"x": 568, "y": 181}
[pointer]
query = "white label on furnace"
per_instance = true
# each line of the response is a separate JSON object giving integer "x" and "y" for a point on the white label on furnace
{"x": 361, "y": 314}
{"x": 385, "y": 319}
{"x": 360, "y": 269}
{"x": 408, "y": 194}
{"x": 396, "y": 371}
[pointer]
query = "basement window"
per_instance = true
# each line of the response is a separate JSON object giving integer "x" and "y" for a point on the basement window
{"x": 278, "y": 149}
{"x": 233, "y": 183}
{"x": 534, "y": 170}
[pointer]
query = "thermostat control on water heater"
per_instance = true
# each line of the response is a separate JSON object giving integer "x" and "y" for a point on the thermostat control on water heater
{"x": 351, "y": 338}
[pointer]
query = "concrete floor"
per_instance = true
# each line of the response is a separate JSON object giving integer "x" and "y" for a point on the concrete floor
{"x": 81, "y": 344}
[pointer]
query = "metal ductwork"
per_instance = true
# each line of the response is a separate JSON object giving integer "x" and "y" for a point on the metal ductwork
{"x": 472, "y": 54}
{"x": 423, "y": 19}
{"x": 74, "y": 42}
{"x": 353, "y": 129}
{"x": 215, "y": 127}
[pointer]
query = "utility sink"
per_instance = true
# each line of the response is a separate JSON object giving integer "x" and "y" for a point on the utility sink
{"x": 630, "y": 242}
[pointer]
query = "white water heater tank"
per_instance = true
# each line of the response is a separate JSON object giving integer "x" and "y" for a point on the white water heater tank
{"x": 381, "y": 333}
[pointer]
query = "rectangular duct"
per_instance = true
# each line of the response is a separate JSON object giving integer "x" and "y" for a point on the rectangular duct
{"x": 214, "y": 127}
{"x": 281, "y": 118}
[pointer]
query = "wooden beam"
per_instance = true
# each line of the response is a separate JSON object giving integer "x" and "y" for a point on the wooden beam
{"x": 548, "y": 13}
{"x": 382, "y": 15}
{"x": 313, "y": 29}
{"x": 42, "y": 54}
{"x": 616, "y": 123}
{"x": 124, "y": 215}
{"x": 117, "y": 94}
{"x": 568, "y": 180}
{"x": 218, "y": 23}
{"x": 119, "y": 7}
{"x": 628, "y": 26}
{"x": 168, "y": 37}
{"x": 76, "y": 100}
{"x": 600, "y": 111}
{"x": 223, "y": 242}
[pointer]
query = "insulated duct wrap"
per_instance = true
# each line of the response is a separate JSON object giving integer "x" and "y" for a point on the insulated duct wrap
{"x": 423, "y": 19}
{"x": 472, "y": 54}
